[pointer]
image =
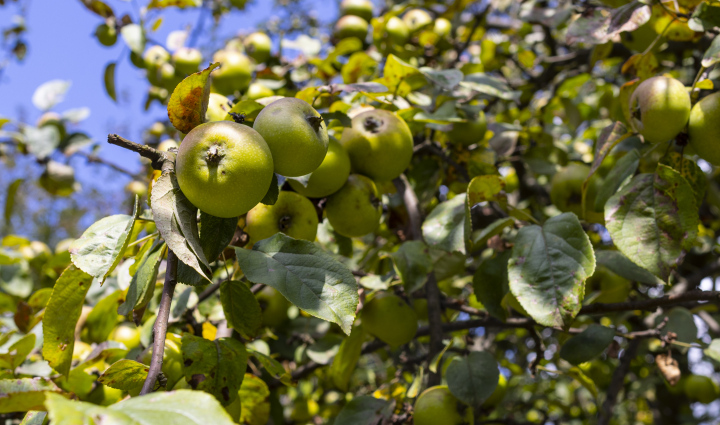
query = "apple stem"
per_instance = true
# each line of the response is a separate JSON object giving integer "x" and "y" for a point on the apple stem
{"x": 214, "y": 154}
{"x": 161, "y": 324}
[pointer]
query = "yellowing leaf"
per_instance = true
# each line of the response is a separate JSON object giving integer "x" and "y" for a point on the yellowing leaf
{"x": 189, "y": 101}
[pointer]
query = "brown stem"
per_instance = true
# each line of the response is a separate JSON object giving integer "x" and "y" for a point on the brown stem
{"x": 97, "y": 160}
{"x": 617, "y": 382}
{"x": 161, "y": 323}
{"x": 652, "y": 304}
{"x": 157, "y": 157}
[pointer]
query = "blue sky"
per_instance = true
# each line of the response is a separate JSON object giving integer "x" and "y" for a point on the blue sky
{"x": 62, "y": 46}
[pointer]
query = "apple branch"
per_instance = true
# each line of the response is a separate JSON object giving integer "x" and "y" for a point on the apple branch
{"x": 161, "y": 323}
{"x": 157, "y": 157}
{"x": 617, "y": 382}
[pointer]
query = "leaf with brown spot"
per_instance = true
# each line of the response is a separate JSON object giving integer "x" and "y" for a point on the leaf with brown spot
{"x": 124, "y": 375}
{"x": 216, "y": 367}
{"x": 189, "y": 101}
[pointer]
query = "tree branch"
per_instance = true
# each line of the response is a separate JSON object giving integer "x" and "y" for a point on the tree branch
{"x": 98, "y": 160}
{"x": 161, "y": 323}
{"x": 157, "y": 157}
{"x": 652, "y": 304}
{"x": 617, "y": 382}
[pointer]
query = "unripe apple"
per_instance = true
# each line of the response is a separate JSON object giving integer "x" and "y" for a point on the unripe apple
{"x": 704, "y": 130}
{"x": 137, "y": 188}
{"x": 224, "y": 168}
{"x": 701, "y": 388}
{"x": 296, "y": 135}
{"x": 361, "y": 8}
{"x": 351, "y": 26}
{"x": 566, "y": 192}
{"x": 274, "y": 307}
{"x": 613, "y": 288}
{"x": 106, "y": 34}
{"x": 390, "y": 319}
{"x": 397, "y": 31}
{"x": 58, "y": 179}
{"x": 234, "y": 74}
{"x": 218, "y": 108}
{"x": 258, "y": 46}
{"x": 436, "y": 405}
{"x": 127, "y": 334}
{"x": 469, "y": 132}
{"x": 442, "y": 27}
{"x": 417, "y": 19}
{"x": 168, "y": 144}
{"x": 292, "y": 214}
{"x": 355, "y": 209}
{"x": 379, "y": 143}
{"x": 187, "y": 60}
{"x": 330, "y": 176}
{"x": 660, "y": 108}
{"x": 258, "y": 91}
{"x": 155, "y": 56}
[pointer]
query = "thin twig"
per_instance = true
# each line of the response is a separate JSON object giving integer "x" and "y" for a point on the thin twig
{"x": 98, "y": 160}
{"x": 618, "y": 382}
{"x": 157, "y": 157}
{"x": 161, "y": 323}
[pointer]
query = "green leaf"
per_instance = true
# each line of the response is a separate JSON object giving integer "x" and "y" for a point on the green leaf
{"x": 109, "y": 78}
{"x": 24, "y": 394}
{"x": 306, "y": 275}
{"x": 124, "y": 375}
{"x": 480, "y": 238}
{"x": 713, "y": 350}
{"x": 681, "y": 322}
{"x": 241, "y": 308}
{"x": 488, "y": 85}
{"x": 176, "y": 220}
{"x": 61, "y": 315}
{"x": 10, "y": 199}
{"x": 100, "y": 248}
{"x": 34, "y": 417}
{"x": 42, "y": 141}
{"x": 183, "y": 407}
{"x": 189, "y": 101}
{"x": 400, "y": 77}
{"x": 182, "y": 4}
{"x": 691, "y": 171}
{"x": 254, "y": 398}
{"x": 446, "y": 79}
{"x": 215, "y": 235}
{"x": 619, "y": 175}
{"x": 473, "y": 379}
{"x": 598, "y": 27}
{"x": 216, "y": 367}
{"x": 490, "y": 284}
{"x": 103, "y": 318}
{"x": 365, "y": 410}
{"x": 273, "y": 192}
{"x": 704, "y": 18}
{"x": 654, "y": 220}
{"x": 249, "y": 108}
{"x": 17, "y": 352}
{"x": 272, "y": 366}
{"x": 142, "y": 285}
{"x": 50, "y": 94}
{"x": 346, "y": 360}
{"x": 78, "y": 382}
{"x": 548, "y": 269}
{"x": 445, "y": 227}
{"x": 98, "y": 7}
{"x": 587, "y": 345}
{"x": 134, "y": 37}
{"x": 485, "y": 188}
{"x": 413, "y": 264}
{"x": 622, "y": 266}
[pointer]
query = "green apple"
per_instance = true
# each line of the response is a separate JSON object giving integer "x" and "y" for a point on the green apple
{"x": 355, "y": 209}
{"x": 390, "y": 319}
{"x": 296, "y": 135}
{"x": 442, "y": 27}
{"x": 218, "y": 108}
{"x": 238, "y": 4}
{"x": 379, "y": 143}
{"x": 58, "y": 179}
{"x": 168, "y": 144}
{"x": 258, "y": 91}
{"x": 172, "y": 365}
{"x": 704, "y": 130}
{"x": 187, "y": 60}
{"x": 224, "y": 168}
{"x": 292, "y": 214}
{"x": 351, "y": 26}
{"x": 274, "y": 307}
{"x": 330, "y": 176}
{"x": 566, "y": 191}
{"x": 436, "y": 405}
{"x": 397, "y": 31}
{"x": 137, "y": 188}
{"x": 155, "y": 56}
{"x": 417, "y": 19}
{"x": 660, "y": 109}
{"x": 258, "y": 46}
{"x": 613, "y": 288}
{"x": 701, "y": 388}
{"x": 234, "y": 74}
{"x": 469, "y": 132}
{"x": 361, "y": 8}
{"x": 126, "y": 334}
{"x": 106, "y": 34}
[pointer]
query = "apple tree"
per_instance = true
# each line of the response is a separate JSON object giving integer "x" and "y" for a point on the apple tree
{"x": 428, "y": 212}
